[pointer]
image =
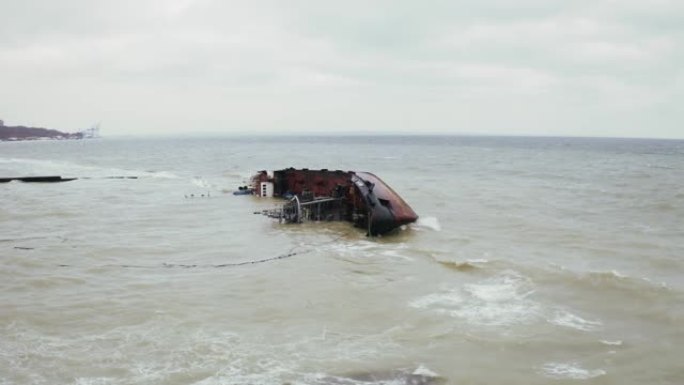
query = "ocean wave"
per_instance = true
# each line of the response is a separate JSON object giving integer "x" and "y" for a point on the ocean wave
{"x": 162, "y": 175}
{"x": 368, "y": 250}
{"x": 617, "y": 280}
{"x": 614, "y": 280}
{"x": 66, "y": 168}
{"x": 566, "y": 319}
{"x": 499, "y": 301}
{"x": 572, "y": 371}
{"x": 430, "y": 223}
{"x": 201, "y": 183}
{"x": 39, "y": 166}
{"x": 464, "y": 266}
{"x": 420, "y": 376}
{"x": 396, "y": 254}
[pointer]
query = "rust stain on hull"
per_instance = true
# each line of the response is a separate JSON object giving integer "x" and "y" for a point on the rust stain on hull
{"x": 324, "y": 195}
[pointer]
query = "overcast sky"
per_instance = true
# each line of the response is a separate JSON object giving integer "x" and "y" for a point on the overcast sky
{"x": 503, "y": 67}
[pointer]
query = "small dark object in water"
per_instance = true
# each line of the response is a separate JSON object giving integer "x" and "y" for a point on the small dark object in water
{"x": 37, "y": 179}
{"x": 23, "y": 248}
{"x": 207, "y": 195}
{"x": 243, "y": 190}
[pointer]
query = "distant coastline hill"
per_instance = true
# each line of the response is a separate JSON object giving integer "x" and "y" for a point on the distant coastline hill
{"x": 14, "y": 133}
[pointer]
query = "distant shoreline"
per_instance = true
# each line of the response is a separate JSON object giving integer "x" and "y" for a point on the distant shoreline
{"x": 24, "y": 133}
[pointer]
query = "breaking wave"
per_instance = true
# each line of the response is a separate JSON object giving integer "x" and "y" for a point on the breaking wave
{"x": 207, "y": 356}
{"x": 499, "y": 301}
{"x": 610, "y": 280}
{"x": 430, "y": 223}
{"x": 366, "y": 251}
{"x": 201, "y": 183}
{"x": 566, "y": 319}
{"x": 468, "y": 265}
{"x": 420, "y": 376}
{"x": 26, "y": 166}
{"x": 162, "y": 175}
{"x": 572, "y": 371}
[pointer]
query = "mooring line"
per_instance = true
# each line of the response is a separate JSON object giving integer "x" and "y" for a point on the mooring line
{"x": 192, "y": 266}
{"x": 291, "y": 253}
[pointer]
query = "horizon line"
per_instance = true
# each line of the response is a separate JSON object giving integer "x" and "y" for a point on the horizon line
{"x": 373, "y": 134}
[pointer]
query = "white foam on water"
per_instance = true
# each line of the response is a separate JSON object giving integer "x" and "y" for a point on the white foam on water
{"x": 420, "y": 376}
{"x": 237, "y": 378}
{"x": 430, "y": 223}
{"x": 499, "y": 301}
{"x": 566, "y": 319}
{"x": 66, "y": 168}
{"x": 396, "y": 254}
{"x": 423, "y": 370}
{"x": 29, "y": 161}
{"x": 562, "y": 371}
{"x": 365, "y": 249}
{"x": 611, "y": 343}
{"x": 440, "y": 302}
{"x": 201, "y": 183}
{"x": 37, "y": 166}
{"x": 163, "y": 175}
{"x": 92, "y": 381}
{"x": 322, "y": 379}
{"x": 617, "y": 274}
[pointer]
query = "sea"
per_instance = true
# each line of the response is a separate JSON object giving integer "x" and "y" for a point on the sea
{"x": 534, "y": 261}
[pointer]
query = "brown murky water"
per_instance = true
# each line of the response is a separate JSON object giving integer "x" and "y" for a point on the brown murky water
{"x": 535, "y": 261}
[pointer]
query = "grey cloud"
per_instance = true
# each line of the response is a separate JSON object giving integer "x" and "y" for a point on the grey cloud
{"x": 533, "y": 66}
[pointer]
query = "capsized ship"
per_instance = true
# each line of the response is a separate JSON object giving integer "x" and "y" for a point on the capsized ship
{"x": 324, "y": 195}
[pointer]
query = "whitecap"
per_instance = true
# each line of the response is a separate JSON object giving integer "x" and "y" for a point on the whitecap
{"x": 560, "y": 370}
{"x": 422, "y": 370}
{"x": 431, "y": 223}
{"x": 201, "y": 183}
{"x": 440, "y": 302}
{"x": 361, "y": 248}
{"x": 499, "y": 301}
{"x": 396, "y": 254}
{"x": 566, "y": 319}
{"x": 421, "y": 375}
{"x": 612, "y": 343}
{"x": 92, "y": 381}
{"x": 164, "y": 175}
{"x": 39, "y": 166}
{"x": 617, "y": 274}
{"x": 463, "y": 266}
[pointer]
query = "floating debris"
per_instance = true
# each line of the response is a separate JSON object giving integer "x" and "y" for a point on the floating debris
{"x": 37, "y": 179}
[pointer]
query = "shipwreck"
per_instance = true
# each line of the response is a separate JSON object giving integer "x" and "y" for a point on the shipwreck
{"x": 325, "y": 195}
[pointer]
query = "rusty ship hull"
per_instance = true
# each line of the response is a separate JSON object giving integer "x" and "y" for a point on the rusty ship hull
{"x": 361, "y": 198}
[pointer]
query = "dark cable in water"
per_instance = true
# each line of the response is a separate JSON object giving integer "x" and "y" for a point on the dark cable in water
{"x": 291, "y": 253}
{"x": 192, "y": 266}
